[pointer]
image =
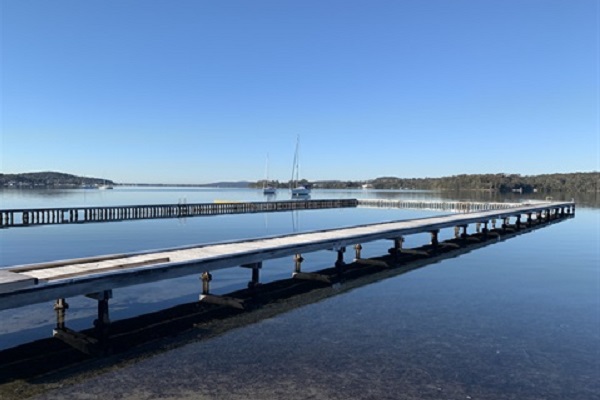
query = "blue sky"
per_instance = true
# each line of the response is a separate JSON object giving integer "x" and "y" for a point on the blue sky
{"x": 200, "y": 91}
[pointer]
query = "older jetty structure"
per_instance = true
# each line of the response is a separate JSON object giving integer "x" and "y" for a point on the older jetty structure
{"x": 450, "y": 206}
{"x": 11, "y": 218}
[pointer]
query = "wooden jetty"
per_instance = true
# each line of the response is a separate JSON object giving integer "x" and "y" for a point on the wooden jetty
{"x": 96, "y": 276}
{"x": 10, "y": 218}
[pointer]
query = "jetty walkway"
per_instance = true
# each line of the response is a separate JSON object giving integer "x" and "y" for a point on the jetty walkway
{"x": 97, "y": 276}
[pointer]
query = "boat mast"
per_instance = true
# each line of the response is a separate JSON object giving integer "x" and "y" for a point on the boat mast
{"x": 266, "y": 182}
{"x": 295, "y": 167}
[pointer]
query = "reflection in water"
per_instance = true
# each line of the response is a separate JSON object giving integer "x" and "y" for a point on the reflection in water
{"x": 295, "y": 221}
{"x": 590, "y": 199}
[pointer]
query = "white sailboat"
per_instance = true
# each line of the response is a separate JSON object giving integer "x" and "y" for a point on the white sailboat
{"x": 105, "y": 186}
{"x": 267, "y": 188}
{"x": 297, "y": 190}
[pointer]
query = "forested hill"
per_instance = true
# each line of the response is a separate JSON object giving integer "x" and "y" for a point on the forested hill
{"x": 48, "y": 179}
{"x": 579, "y": 182}
{"x": 573, "y": 182}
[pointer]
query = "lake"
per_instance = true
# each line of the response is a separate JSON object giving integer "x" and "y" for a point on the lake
{"x": 519, "y": 319}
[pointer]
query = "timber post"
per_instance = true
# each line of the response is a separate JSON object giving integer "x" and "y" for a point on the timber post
{"x": 298, "y": 263}
{"x": 102, "y": 323}
{"x": 434, "y": 238}
{"x": 206, "y": 277}
{"x": 60, "y": 306}
{"x": 485, "y": 229}
{"x": 339, "y": 263}
{"x": 226, "y": 301}
{"x": 102, "y": 297}
{"x": 358, "y": 248}
{"x": 397, "y": 249}
{"x": 464, "y": 235}
{"x": 255, "y": 279}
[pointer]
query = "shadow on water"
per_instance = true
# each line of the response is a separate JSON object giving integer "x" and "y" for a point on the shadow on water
{"x": 37, "y": 366}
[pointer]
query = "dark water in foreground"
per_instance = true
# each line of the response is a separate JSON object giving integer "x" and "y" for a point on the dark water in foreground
{"x": 519, "y": 319}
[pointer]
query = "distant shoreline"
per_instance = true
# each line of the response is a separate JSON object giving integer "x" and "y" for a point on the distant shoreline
{"x": 581, "y": 182}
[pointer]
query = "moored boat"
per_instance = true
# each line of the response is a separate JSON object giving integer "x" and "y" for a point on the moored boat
{"x": 267, "y": 188}
{"x": 296, "y": 189}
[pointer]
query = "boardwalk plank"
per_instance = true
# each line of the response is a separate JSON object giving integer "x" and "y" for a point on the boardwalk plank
{"x": 11, "y": 281}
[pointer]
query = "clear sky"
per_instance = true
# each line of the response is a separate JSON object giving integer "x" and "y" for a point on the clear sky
{"x": 200, "y": 91}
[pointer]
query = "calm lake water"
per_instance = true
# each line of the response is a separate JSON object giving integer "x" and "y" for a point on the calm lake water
{"x": 519, "y": 319}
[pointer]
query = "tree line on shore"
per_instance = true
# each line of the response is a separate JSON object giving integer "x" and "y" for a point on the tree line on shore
{"x": 585, "y": 182}
{"x": 503, "y": 183}
{"x": 500, "y": 183}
